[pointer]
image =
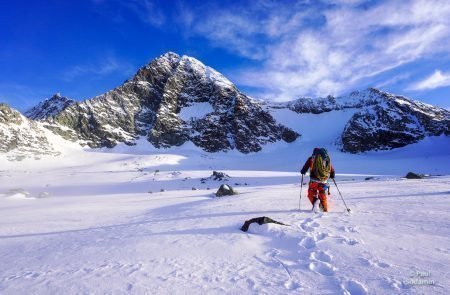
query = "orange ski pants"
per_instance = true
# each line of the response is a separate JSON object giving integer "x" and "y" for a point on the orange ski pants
{"x": 317, "y": 188}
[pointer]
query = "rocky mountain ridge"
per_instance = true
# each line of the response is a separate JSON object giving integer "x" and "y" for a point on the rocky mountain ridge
{"x": 383, "y": 121}
{"x": 22, "y": 137}
{"x": 150, "y": 103}
{"x": 175, "y": 99}
{"x": 49, "y": 107}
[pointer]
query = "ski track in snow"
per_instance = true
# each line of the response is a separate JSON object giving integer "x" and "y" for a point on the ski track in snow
{"x": 136, "y": 224}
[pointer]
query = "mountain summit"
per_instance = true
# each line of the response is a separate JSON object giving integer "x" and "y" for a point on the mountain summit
{"x": 172, "y": 100}
{"x": 49, "y": 107}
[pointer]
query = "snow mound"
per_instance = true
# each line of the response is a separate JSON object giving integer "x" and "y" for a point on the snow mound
{"x": 18, "y": 194}
{"x": 268, "y": 229}
{"x": 44, "y": 195}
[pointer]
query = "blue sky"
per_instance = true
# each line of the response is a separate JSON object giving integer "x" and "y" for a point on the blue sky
{"x": 278, "y": 50}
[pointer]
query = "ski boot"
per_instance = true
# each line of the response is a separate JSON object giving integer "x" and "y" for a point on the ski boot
{"x": 316, "y": 205}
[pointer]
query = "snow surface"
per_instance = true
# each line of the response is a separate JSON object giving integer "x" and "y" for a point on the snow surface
{"x": 195, "y": 111}
{"x": 137, "y": 220}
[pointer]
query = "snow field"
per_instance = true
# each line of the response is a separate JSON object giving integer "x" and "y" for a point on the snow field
{"x": 102, "y": 231}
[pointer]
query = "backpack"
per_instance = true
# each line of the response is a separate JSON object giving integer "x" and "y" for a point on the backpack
{"x": 320, "y": 164}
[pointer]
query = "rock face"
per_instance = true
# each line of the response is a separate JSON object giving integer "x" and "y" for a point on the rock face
{"x": 21, "y": 137}
{"x": 395, "y": 121}
{"x": 172, "y": 100}
{"x": 49, "y": 107}
{"x": 384, "y": 121}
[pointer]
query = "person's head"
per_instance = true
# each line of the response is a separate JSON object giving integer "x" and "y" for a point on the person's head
{"x": 315, "y": 151}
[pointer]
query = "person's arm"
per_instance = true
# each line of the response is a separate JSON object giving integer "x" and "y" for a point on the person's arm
{"x": 332, "y": 173}
{"x": 306, "y": 166}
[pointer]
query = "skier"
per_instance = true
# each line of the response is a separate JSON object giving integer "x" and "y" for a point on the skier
{"x": 320, "y": 171}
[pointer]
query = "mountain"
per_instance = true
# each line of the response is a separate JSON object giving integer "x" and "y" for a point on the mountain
{"x": 21, "y": 137}
{"x": 383, "y": 121}
{"x": 175, "y": 99}
{"x": 49, "y": 107}
{"x": 172, "y": 100}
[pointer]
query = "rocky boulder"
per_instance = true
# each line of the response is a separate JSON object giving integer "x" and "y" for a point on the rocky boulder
{"x": 225, "y": 190}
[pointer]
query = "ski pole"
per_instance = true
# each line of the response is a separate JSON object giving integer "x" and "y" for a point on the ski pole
{"x": 300, "y": 200}
{"x": 348, "y": 209}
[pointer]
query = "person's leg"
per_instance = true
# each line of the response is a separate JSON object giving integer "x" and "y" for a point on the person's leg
{"x": 323, "y": 200}
{"x": 312, "y": 192}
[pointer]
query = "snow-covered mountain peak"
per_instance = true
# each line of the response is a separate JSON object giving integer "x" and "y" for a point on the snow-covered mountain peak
{"x": 49, "y": 107}
{"x": 168, "y": 57}
{"x": 151, "y": 104}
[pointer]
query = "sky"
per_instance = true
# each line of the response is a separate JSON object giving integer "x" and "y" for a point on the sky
{"x": 276, "y": 50}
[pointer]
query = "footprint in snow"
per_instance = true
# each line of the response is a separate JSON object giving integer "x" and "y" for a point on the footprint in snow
{"x": 322, "y": 268}
{"x": 347, "y": 241}
{"x": 349, "y": 229}
{"x": 354, "y": 288}
{"x": 307, "y": 228}
{"x": 308, "y": 243}
{"x": 309, "y": 225}
{"x": 321, "y": 256}
{"x": 364, "y": 261}
{"x": 321, "y": 236}
{"x": 382, "y": 264}
{"x": 291, "y": 285}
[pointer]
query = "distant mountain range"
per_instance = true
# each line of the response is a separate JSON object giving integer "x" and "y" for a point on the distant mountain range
{"x": 175, "y": 99}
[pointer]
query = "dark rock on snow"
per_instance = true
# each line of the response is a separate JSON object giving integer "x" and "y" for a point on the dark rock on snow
{"x": 412, "y": 175}
{"x": 219, "y": 176}
{"x": 225, "y": 190}
{"x": 216, "y": 175}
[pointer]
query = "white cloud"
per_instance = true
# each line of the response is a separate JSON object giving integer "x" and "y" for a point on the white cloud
{"x": 320, "y": 49}
{"x": 436, "y": 80}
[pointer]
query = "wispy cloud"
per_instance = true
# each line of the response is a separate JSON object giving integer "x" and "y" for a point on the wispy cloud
{"x": 393, "y": 80}
{"x": 324, "y": 48}
{"x": 147, "y": 10}
{"x": 104, "y": 67}
{"x": 436, "y": 80}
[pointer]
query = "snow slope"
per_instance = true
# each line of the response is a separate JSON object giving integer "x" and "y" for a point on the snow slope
{"x": 101, "y": 231}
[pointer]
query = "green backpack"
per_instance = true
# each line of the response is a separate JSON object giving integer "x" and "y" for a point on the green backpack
{"x": 321, "y": 164}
